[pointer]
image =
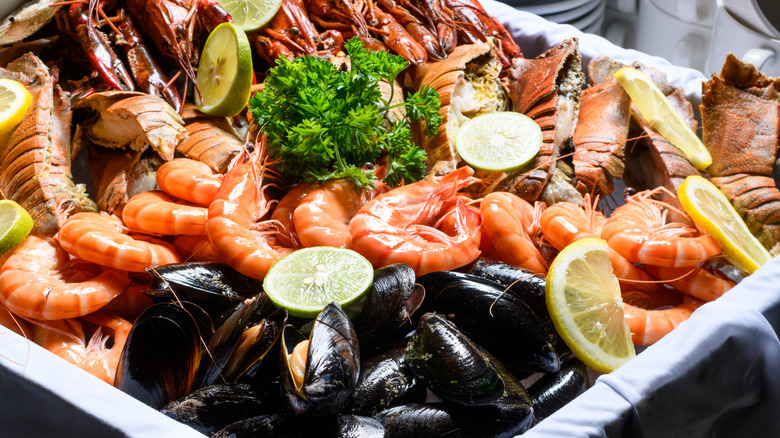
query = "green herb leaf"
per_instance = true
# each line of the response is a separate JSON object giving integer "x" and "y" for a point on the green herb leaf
{"x": 321, "y": 123}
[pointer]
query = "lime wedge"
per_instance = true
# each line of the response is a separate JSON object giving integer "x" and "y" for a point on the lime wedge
{"x": 251, "y": 14}
{"x": 583, "y": 297}
{"x": 306, "y": 280}
{"x": 14, "y": 102}
{"x": 657, "y": 111}
{"x": 499, "y": 141}
{"x": 712, "y": 212}
{"x": 15, "y": 225}
{"x": 224, "y": 72}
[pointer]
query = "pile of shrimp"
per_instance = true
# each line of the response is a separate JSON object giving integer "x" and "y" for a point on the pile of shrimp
{"x": 80, "y": 288}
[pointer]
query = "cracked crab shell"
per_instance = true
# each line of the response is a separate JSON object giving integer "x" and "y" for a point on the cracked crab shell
{"x": 468, "y": 84}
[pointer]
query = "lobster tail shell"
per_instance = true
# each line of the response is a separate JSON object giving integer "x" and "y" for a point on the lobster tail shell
{"x": 546, "y": 89}
{"x": 473, "y": 65}
{"x": 740, "y": 118}
{"x": 211, "y": 141}
{"x": 35, "y": 160}
{"x": 600, "y": 137}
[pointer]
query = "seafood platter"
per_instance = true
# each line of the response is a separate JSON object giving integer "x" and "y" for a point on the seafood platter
{"x": 142, "y": 300}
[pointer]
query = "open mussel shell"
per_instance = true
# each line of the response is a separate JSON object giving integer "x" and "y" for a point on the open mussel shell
{"x": 254, "y": 357}
{"x": 227, "y": 339}
{"x": 210, "y": 409}
{"x": 450, "y": 365}
{"x": 332, "y": 364}
{"x": 497, "y": 321}
{"x": 555, "y": 390}
{"x": 391, "y": 300}
{"x": 292, "y": 426}
{"x": 385, "y": 380}
{"x": 215, "y": 287}
{"x": 520, "y": 282}
{"x": 162, "y": 353}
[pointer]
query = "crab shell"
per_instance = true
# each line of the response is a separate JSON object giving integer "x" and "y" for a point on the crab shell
{"x": 468, "y": 84}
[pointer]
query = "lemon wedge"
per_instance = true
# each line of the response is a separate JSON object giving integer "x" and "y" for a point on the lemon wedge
{"x": 584, "y": 301}
{"x": 712, "y": 212}
{"x": 657, "y": 111}
{"x": 224, "y": 72}
{"x": 14, "y": 102}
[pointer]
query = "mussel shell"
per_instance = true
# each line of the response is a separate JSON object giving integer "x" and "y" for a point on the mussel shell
{"x": 450, "y": 365}
{"x": 332, "y": 364}
{"x": 499, "y": 322}
{"x": 521, "y": 283}
{"x": 162, "y": 353}
{"x": 291, "y": 426}
{"x": 224, "y": 342}
{"x": 390, "y": 301}
{"x": 555, "y": 390}
{"x": 214, "y": 286}
{"x": 210, "y": 409}
{"x": 385, "y": 380}
{"x": 252, "y": 364}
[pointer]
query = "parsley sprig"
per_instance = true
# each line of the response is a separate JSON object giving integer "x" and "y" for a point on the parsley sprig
{"x": 322, "y": 123}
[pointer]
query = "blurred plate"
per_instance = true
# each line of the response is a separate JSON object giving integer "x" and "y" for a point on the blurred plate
{"x": 553, "y": 7}
{"x": 595, "y": 28}
{"x": 590, "y": 18}
{"x": 573, "y": 14}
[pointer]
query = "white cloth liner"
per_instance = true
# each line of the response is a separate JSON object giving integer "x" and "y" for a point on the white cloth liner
{"x": 715, "y": 375}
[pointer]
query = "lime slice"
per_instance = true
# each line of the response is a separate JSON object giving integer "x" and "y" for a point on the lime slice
{"x": 583, "y": 297}
{"x": 224, "y": 72}
{"x": 306, "y": 280}
{"x": 251, "y": 14}
{"x": 499, "y": 141}
{"x": 14, "y": 102}
{"x": 657, "y": 111}
{"x": 714, "y": 214}
{"x": 15, "y": 225}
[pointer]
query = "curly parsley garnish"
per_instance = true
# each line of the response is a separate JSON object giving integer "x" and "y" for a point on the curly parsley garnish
{"x": 321, "y": 123}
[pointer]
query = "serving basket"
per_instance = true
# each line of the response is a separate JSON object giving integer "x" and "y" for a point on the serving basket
{"x": 717, "y": 374}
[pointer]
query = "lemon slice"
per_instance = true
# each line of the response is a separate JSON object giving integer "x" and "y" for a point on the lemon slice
{"x": 14, "y": 102}
{"x": 657, "y": 111}
{"x": 306, "y": 280}
{"x": 583, "y": 297}
{"x": 251, "y": 14}
{"x": 714, "y": 214}
{"x": 224, "y": 72}
{"x": 499, "y": 141}
{"x": 15, "y": 225}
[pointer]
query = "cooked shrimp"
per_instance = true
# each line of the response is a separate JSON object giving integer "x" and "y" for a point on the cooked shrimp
{"x": 13, "y": 323}
{"x": 693, "y": 280}
{"x": 157, "y": 213}
{"x": 399, "y": 226}
{"x": 242, "y": 242}
{"x": 283, "y": 214}
{"x": 506, "y": 219}
{"x": 40, "y": 281}
{"x": 566, "y": 222}
{"x": 195, "y": 248}
{"x": 189, "y": 180}
{"x": 130, "y": 303}
{"x": 322, "y": 217}
{"x": 648, "y": 326}
{"x": 66, "y": 339}
{"x": 638, "y": 230}
{"x": 100, "y": 238}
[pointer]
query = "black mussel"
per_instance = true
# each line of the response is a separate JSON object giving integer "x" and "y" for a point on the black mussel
{"x": 291, "y": 426}
{"x": 214, "y": 286}
{"x": 450, "y": 365}
{"x": 162, "y": 352}
{"x": 497, "y": 321}
{"x": 385, "y": 380}
{"x": 210, "y": 409}
{"x": 391, "y": 300}
{"x": 224, "y": 342}
{"x": 320, "y": 373}
{"x": 521, "y": 283}
{"x": 255, "y": 355}
{"x": 554, "y": 390}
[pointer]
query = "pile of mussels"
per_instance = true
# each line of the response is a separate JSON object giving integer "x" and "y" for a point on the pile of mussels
{"x": 442, "y": 354}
